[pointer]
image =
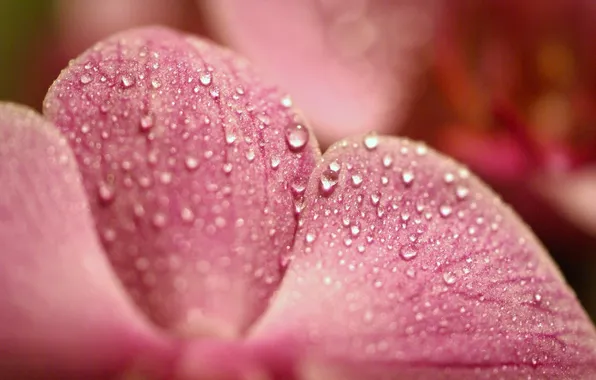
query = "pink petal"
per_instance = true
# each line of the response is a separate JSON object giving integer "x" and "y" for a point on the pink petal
{"x": 190, "y": 162}
{"x": 409, "y": 267}
{"x": 349, "y": 64}
{"x": 63, "y": 313}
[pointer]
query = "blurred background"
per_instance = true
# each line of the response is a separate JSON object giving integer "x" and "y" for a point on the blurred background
{"x": 508, "y": 87}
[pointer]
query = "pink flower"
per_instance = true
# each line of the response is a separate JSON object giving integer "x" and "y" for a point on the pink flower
{"x": 171, "y": 216}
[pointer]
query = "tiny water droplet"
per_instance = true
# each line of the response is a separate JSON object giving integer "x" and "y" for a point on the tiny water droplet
{"x": 187, "y": 215}
{"x": 449, "y": 278}
{"x": 205, "y": 78}
{"x": 375, "y": 198}
{"x": 296, "y": 137}
{"x": 146, "y": 123}
{"x": 328, "y": 182}
{"x": 106, "y": 193}
{"x": 356, "y": 180}
{"x": 408, "y": 252}
{"x": 387, "y": 161}
{"x": 445, "y": 210}
{"x": 250, "y": 155}
{"x": 227, "y": 167}
{"x": 159, "y": 220}
{"x": 191, "y": 163}
{"x": 449, "y": 178}
{"x": 155, "y": 84}
{"x": 286, "y": 101}
{"x": 275, "y": 161}
{"x": 407, "y": 177}
{"x": 127, "y": 81}
{"x": 355, "y": 230}
{"x": 461, "y": 192}
{"x": 310, "y": 237}
{"x": 421, "y": 149}
{"x": 86, "y": 79}
{"x": 371, "y": 141}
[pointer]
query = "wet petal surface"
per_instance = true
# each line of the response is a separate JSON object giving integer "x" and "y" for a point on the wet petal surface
{"x": 192, "y": 166}
{"x": 63, "y": 313}
{"x": 349, "y": 64}
{"x": 406, "y": 266}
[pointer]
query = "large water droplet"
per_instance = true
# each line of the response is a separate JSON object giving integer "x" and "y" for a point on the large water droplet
{"x": 86, "y": 79}
{"x": 127, "y": 81}
{"x": 445, "y": 210}
{"x": 191, "y": 163}
{"x": 407, "y": 177}
{"x": 328, "y": 182}
{"x": 106, "y": 193}
{"x": 407, "y": 252}
{"x": 356, "y": 180}
{"x": 371, "y": 141}
{"x": 296, "y": 137}
{"x": 205, "y": 78}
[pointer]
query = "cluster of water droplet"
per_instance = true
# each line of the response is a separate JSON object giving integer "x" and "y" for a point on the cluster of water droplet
{"x": 410, "y": 248}
{"x": 193, "y": 167}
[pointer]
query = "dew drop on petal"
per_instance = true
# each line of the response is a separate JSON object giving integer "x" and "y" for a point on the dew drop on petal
{"x": 205, "y": 78}
{"x": 328, "y": 182}
{"x": 371, "y": 141}
{"x": 461, "y": 192}
{"x": 191, "y": 163}
{"x": 86, "y": 79}
{"x": 445, "y": 210}
{"x": 356, "y": 180}
{"x": 408, "y": 252}
{"x": 407, "y": 177}
{"x": 296, "y": 137}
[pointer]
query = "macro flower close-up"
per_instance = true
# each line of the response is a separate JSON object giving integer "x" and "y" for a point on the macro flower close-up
{"x": 184, "y": 209}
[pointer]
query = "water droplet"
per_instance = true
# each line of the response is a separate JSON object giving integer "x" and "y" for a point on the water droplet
{"x": 159, "y": 220}
{"x": 296, "y": 137}
{"x": 411, "y": 272}
{"x": 286, "y": 101}
{"x": 421, "y": 149}
{"x": 310, "y": 237}
{"x": 375, "y": 198}
{"x": 449, "y": 278}
{"x": 407, "y": 177}
{"x": 371, "y": 141}
{"x": 106, "y": 193}
{"x": 187, "y": 215}
{"x": 250, "y": 155}
{"x": 537, "y": 297}
{"x": 408, "y": 252}
{"x": 86, "y": 128}
{"x": 205, "y": 78}
{"x": 355, "y": 230}
{"x": 191, "y": 163}
{"x": 461, "y": 192}
{"x": 328, "y": 182}
{"x": 445, "y": 210}
{"x": 275, "y": 161}
{"x": 127, "y": 81}
{"x": 227, "y": 167}
{"x": 146, "y": 123}
{"x": 449, "y": 178}
{"x": 155, "y": 84}
{"x": 165, "y": 177}
{"x": 86, "y": 79}
{"x": 335, "y": 167}
{"x": 378, "y": 284}
{"x": 356, "y": 180}
{"x": 387, "y": 161}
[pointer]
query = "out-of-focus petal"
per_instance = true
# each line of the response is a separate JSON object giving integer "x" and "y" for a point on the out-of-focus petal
{"x": 573, "y": 195}
{"x": 192, "y": 165}
{"x": 406, "y": 266}
{"x": 63, "y": 313}
{"x": 349, "y": 64}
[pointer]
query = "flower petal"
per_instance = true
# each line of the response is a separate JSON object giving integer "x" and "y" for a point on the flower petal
{"x": 63, "y": 313}
{"x": 190, "y": 162}
{"x": 407, "y": 266}
{"x": 349, "y": 64}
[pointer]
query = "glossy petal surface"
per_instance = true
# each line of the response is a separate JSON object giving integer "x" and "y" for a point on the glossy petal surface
{"x": 407, "y": 267}
{"x": 63, "y": 313}
{"x": 191, "y": 164}
{"x": 349, "y": 64}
